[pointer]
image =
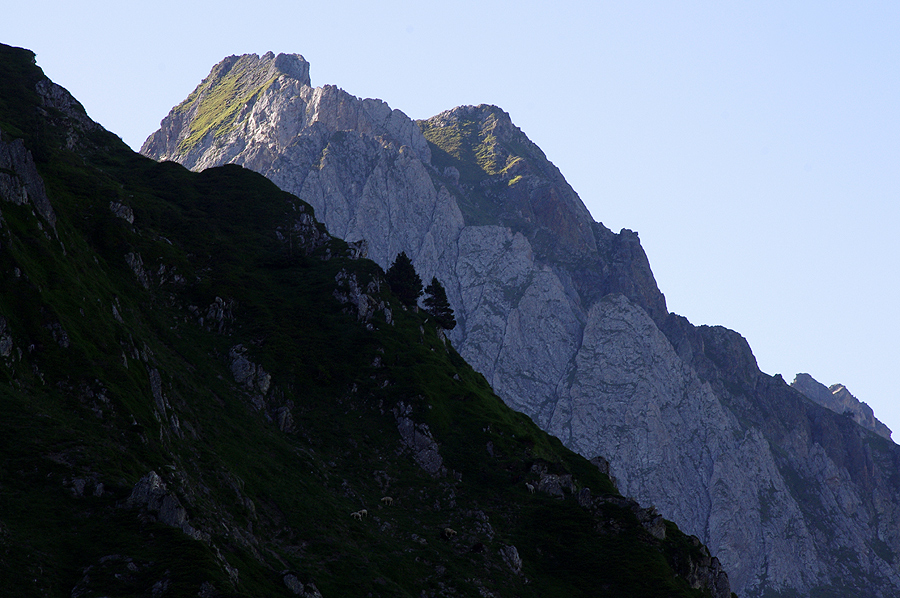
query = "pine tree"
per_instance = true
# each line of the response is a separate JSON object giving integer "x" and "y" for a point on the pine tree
{"x": 404, "y": 281}
{"x": 437, "y": 305}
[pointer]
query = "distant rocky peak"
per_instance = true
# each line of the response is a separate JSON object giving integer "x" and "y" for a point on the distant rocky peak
{"x": 837, "y": 398}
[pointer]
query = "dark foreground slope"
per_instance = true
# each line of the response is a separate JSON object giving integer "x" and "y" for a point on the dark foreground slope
{"x": 199, "y": 387}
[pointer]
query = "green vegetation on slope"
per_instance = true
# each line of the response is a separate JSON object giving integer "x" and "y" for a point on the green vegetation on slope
{"x": 216, "y": 103}
{"x": 471, "y": 147}
{"x": 488, "y": 166}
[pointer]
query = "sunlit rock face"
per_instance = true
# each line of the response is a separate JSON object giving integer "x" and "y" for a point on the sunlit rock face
{"x": 565, "y": 320}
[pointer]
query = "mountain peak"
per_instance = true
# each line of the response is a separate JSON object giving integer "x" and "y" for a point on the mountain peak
{"x": 233, "y": 85}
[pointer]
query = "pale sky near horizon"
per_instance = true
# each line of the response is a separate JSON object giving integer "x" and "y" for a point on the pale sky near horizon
{"x": 754, "y": 146}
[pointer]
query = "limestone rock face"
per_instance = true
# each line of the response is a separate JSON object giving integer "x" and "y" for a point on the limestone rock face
{"x": 672, "y": 443}
{"x": 565, "y": 320}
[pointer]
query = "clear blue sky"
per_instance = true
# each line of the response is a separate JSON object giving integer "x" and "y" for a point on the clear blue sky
{"x": 755, "y": 146}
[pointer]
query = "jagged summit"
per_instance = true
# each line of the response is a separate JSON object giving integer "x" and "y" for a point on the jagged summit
{"x": 270, "y": 99}
{"x": 499, "y": 176}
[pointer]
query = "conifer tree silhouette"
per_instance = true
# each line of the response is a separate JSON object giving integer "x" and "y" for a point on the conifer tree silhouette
{"x": 437, "y": 305}
{"x": 404, "y": 281}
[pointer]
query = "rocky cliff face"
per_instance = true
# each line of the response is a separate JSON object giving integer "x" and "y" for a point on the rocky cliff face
{"x": 837, "y": 398}
{"x": 565, "y": 320}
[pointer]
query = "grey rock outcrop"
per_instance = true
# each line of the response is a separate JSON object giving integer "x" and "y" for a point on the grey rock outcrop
{"x": 6, "y": 341}
{"x": 418, "y": 439}
{"x": 362, "y": 301}
{"x": 122, "y": 211}
{"x": 136, "y": 263}
{"x": 248, "y": 374}
{"x": 565, "y": 320}
{"x": 707, "y": 572}
{"x": 304, "y": 590}
{"x": 20, "y": 182}
{"x": 837, "y": 398}
{"x": 511, "y": 557}
{"x": 150, "y": 493}
{"x": 59, "y": 101}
